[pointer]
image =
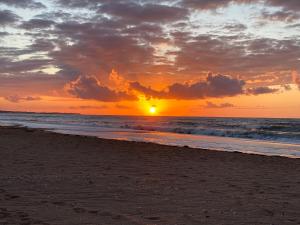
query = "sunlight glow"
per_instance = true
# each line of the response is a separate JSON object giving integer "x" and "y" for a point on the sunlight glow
{"x": 152, "y": 110}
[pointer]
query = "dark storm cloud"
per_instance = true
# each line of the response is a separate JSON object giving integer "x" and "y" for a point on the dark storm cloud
{"x": 261, "y": 90}
{"x": 23, "y": 3}
{"x": 88, "y": 87}
{"x": 144, "y": 13}
{"x": 7, "y": 17}
{"x": 214, "y": 86}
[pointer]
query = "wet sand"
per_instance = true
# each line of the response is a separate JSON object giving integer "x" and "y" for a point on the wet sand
{"x": 48, "y": 178}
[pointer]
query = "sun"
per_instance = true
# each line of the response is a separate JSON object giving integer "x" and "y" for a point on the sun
{"x": 152, "y": 110}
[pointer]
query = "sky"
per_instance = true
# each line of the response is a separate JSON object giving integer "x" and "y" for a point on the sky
{"x": 227, "y": 58}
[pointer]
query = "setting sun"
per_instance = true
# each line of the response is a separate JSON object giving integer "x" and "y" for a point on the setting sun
{"x": 152, "y": 110}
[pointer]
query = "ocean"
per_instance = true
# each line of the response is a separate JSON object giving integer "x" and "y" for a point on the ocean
{"x": 279, "y": 137}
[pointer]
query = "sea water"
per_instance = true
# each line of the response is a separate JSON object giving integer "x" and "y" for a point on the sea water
{"x": 249, "y": 135}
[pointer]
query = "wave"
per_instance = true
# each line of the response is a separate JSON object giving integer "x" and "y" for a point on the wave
{"x": 280, "y": 130}
{"x": 285, "y": 132}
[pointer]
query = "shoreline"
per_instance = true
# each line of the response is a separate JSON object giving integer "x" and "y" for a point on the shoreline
{"x": 57, "y": 179}
{"x": 49, "y": 130}
{"x": 263, "y": 137}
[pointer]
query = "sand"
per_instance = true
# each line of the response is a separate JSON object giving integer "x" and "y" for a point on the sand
{"x": 48, "y": 178}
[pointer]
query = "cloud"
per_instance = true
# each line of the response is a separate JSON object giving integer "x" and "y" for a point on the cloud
{"x": 261, "y": 90}
{"x": 80, "y": 3}
{"x": 15, "y": 67}
{"x": 296, "y": 78}
{"x": 32, "y": 84}
{"x": 88, "y": 87}
{"x": 233, "y": 56}
{"x": 7, "y": 17}
{"x": 235, "y": 27}
{"x": 283, "y": 16}
{"x": 94, "y": 45}
{"x": 212, "y": 105}
{"x": 286, "y": 87}
{"x": 119, "y": 106}
{"x": 286, "y": 4}
{"x": 134, "y": 12}
{"x": 23, "y": 3}
{"x": 296, "y": 26}
{"x": 88, "y": 107}
{"x": 101, "y": 46}
{"x": 42, "y": 45}
{"x": 148, "y": 91}
{"x": 37, "y": 24}
{"x": 214, "y": 86}
{"x": 205, "y": 4}
{"x": 3, "y": 33}
{"x": 192, "y": 4}
{"x": 144, "y": 40}
{"x": 215, "y": 4}
{"x": 17, "y": 98}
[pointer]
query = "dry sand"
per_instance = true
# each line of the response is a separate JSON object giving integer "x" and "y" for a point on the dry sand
{"x": 48, "y": 178}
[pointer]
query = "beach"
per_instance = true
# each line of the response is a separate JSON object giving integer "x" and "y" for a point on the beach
{"x": 58, "y": 179}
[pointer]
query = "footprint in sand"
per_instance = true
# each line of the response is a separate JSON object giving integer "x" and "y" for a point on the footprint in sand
{"x": 4, "y": 214}
{"x": 59, "y": 203}
{"x": 153, "y": 218}
{"x": 10, "y": 197}
{"x": 93, "y": 211}
{"x": 79, "y": 210}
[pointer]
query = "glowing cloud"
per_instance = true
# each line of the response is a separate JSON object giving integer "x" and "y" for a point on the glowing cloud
{"x": 296, "y": 78}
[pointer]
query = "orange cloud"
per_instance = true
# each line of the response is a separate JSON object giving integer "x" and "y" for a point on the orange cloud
{"x": 296, "y": 78}
{"x": 89, "y": 87}
{"x": 17, "y": 98}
